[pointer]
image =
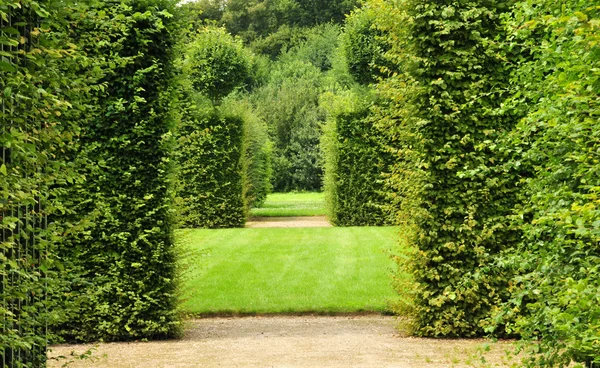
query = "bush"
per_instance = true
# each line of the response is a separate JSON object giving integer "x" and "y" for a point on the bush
{"x": 364, "y": 46}
{"x": 211, "y": 139}
{"x": 211, "y": 169}
{"x": 216, "y": 63}
{"x": 125, "y": 257}
{"x": 257, "y": 153}
{"x": 36, "y": 132}
{"x": 355, "y": 158}
{"x": 289, "y": 103}
{"x": 446, "y": 120}
{"x": 556, "y": 301}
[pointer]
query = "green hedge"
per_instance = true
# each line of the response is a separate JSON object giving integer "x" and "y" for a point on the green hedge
{"x": 211, "y": 138}
{"x": 36, "y": 130}
{"x": 355, "y": 159}
{"x": 556, "y": 300}
{"x": 125, "y": 257}
{"x": 211, "y": 169}
{"x": 446, "y": 112}
{"x": 364, "y": 46}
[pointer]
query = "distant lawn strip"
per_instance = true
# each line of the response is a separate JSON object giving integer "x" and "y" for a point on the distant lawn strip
{"x": 293, "y": 270}
{"x": 291, "y": 204}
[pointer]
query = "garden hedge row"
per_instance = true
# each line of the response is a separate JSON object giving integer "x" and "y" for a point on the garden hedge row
{"x": 495, "y": 111}
{"x": 556, "y": 86}
{"x": 355, "y": 159}
{"x": 37, "y": 125}
{"x": 446, "y": 111}
{"x": 211, "y": 170}
{"x": 125, "y": 256}
{"x": 211, "y": 138}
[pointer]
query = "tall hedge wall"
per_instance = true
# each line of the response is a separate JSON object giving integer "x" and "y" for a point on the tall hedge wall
{"x": 355, "y": 159}
{"x": 125, "y": 257}
{"x": 37, "y": 101}
{"x": 447, "y": 112}
{"x": 211, "y": 152}
{"x": 211, "y": 138}
{"x": 556, "y": 301}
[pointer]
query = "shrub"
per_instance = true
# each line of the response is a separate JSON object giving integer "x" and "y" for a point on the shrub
{"x": 355, "y": 158}
{"x": 125, "y": 257}
{"x": 216, "y": 63}
{"x": 37, "y": 125}
{"x": 211, "y": 169}
{"x": 555, "y": 301}
{"x": 364, "y": 46}
{"x": 445, "y": 119}
{"x": 257, "y": 153}
{"x": 289, "y": 103}
{"x": 211, "y": 138}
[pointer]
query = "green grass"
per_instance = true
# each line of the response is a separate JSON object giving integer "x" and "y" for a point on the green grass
{"x": 291, "y": 204}
{"x": 292, "y": 270}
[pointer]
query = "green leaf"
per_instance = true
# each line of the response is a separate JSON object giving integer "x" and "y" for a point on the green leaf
{"x": 7, "y": 67}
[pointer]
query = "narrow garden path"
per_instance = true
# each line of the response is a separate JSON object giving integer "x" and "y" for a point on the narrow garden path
{"x": 285, "y": 341}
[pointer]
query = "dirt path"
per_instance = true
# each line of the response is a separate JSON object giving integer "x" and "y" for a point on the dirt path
{"x": 365, "y": 341}
{"x": 312, "y": 221}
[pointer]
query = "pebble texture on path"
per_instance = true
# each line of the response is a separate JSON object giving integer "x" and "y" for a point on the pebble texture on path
{"x": 290, "y": 342}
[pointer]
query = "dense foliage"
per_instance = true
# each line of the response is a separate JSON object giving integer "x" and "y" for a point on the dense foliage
{"x": 556, "y": 301}
{"x": 258, "y": 19}
{"x": 258, "y": 155}
{"x": 355, "y": 159}
{"x": 210, "y": 149}
{"x": 447, "y": 115}
{"x": 125, "y": 258}
{"x": 215, "y": 63}
{"x": 211, "y": 169}
{"x": 35, "y": 98}
{"x": 364, "y": 46}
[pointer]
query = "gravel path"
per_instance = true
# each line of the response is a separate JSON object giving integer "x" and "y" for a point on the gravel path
{"x": 290, "y": 342}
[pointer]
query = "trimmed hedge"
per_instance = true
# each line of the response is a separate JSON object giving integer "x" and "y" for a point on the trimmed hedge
{"x": 211, "y": 139}
{"x": 446, "y": 112}
{"x": 556, "y": 300}
{"x": 215, "y": 63}
{"x": 125, "y": 257}
{"x": 355, "y": 158}
{"x": 211, "y": 170}
{"x": 35, "y": 98}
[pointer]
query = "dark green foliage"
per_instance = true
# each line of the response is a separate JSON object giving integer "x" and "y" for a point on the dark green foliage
{"x": 355, "y": 158}
{"x": 258, "y": 155}
{"x": 556, "y": 301}
{"x": 210, "y": 153}
{"x": 215, "y": 63}
{"x": 289, "y": 103}
{"x": 35, "y": 135}
{"x": 255, "y": 19}
{"x": 364, "y": 46}
{"x": 125, "y": 257}
{"x": 446, "y": 116}
{"x": 210, "y": 149}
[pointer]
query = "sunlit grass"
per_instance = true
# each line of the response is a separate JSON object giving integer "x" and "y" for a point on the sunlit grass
{"x": 291, "y": 204}
{"x": 291, "y": 270}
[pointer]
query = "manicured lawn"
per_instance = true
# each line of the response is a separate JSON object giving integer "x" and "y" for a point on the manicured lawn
{"x": 291, "y": 270}
{"x": 291, "y": 204}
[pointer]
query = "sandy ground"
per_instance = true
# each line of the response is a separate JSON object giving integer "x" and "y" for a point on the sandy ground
{"x": 356, "y": 341}
{"x": 312, "y": 221}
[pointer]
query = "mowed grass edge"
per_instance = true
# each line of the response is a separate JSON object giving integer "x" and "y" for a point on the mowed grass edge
{"x": 290, "y": 271}
{"x": 291, "y": 204}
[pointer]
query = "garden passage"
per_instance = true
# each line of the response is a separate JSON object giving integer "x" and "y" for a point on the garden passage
{"x": 452, "y": 147}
